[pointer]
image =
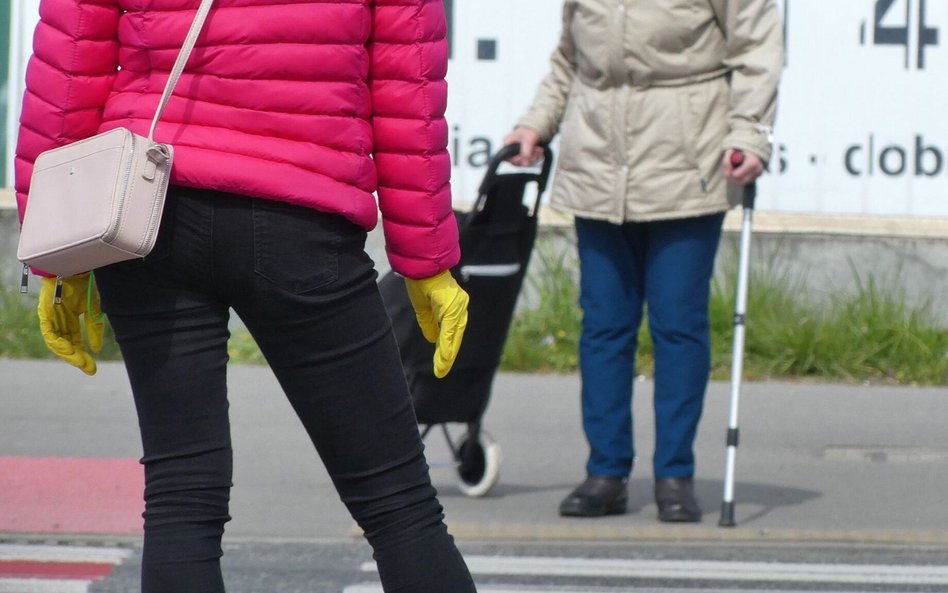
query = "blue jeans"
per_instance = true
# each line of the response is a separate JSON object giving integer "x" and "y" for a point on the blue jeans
{"x": 305, "y": 289}
{"x": 667, "y": 265}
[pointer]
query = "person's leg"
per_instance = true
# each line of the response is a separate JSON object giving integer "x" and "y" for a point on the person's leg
{"x": 679, "y": 266}
{"x": 611, "y": 296}
{"x": 316, "y": 313}
{"x": 173, "y": 339}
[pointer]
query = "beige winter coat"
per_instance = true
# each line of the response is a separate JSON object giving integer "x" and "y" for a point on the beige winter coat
{"x": 647, "y": 94}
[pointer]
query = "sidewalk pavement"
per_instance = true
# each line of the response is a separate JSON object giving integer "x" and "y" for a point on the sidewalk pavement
{"x": 816, "y": 462}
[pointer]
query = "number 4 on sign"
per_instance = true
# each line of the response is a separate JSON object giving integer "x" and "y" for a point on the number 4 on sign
{"x": 885, "y": 33}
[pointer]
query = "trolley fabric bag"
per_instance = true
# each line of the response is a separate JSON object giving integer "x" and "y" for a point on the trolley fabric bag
{"x": 496, "y": 237}
{"x": 99, "y": 201}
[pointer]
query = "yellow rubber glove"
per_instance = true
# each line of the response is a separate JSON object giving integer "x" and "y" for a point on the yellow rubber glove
{"x": 59, "y": 322}
{"x": 441, "y": 309}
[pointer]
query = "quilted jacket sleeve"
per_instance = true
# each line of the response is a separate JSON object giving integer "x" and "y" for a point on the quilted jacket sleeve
{"x": 68, "y": 78}
{"x": 409, "y": 58}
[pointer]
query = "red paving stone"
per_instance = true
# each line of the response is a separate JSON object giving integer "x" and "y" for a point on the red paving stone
{"x": 70, "y": 495}
{"x": 54, "y": 570}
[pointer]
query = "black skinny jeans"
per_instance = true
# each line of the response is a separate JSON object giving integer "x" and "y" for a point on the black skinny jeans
{"x": 304, "y": 287}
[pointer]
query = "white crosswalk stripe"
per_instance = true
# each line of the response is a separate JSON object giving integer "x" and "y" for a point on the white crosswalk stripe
{"x": 63, "y": 553}
{"x": 711, "y": 570}
{"x": 374, "y": 588}
{"x": 44, "y": 586}
{"x": 873, "y": 575}
{"x": 370, "y": 588}
{"x": 47, "y": 566}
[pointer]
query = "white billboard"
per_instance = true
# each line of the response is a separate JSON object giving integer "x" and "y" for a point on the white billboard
{"x": 23, "y": 17}
{"x": 861, "y": 127}
{"x": 861, "y": 121}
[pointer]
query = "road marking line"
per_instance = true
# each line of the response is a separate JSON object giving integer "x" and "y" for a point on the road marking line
{"x": 55, "y": 569}
{"x": 875, "y": 574}
{"x": 42, "y": 553}
{"x": 43, "y": 586}
{"x": 371, "y": 588}
{"x": 576, "y": 531}
{"x": 501, "y": 588}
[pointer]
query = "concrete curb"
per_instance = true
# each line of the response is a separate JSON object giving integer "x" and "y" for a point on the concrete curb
{"x": 533, "y": 533}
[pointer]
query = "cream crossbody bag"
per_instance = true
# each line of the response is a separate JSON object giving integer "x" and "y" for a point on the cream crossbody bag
{"x": 99, "y": 201}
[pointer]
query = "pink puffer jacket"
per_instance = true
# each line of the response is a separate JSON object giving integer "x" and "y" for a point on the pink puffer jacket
{"x": 318, "y": 103}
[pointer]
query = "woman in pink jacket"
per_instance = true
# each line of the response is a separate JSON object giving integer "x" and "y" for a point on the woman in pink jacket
{"x": 287, "y": 119}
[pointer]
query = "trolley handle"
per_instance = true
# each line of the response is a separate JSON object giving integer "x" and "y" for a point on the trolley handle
{"x": 512, "y": 150}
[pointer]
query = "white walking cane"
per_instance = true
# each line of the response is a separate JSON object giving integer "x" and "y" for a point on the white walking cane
{"x": 737, "y": 362}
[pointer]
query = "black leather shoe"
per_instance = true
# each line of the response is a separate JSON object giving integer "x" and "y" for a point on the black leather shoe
{"x": 597, "y": 496}
{"x": 676, "y": 500}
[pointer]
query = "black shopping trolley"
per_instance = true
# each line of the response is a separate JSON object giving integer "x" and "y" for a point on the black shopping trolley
{"x": 496, "y": 237}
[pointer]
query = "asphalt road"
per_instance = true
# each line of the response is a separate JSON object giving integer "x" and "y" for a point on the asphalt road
{"x": 840, "y": 484}
{"x": 669, "y": 567}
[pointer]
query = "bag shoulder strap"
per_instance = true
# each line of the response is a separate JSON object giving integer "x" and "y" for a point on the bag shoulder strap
{"x": 180, "y": 62}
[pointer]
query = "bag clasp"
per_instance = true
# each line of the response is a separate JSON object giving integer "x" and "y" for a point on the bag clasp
{"x": 157, "y": 155}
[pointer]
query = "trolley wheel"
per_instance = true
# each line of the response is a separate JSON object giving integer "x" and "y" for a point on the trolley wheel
{"x": 478, "y": 464}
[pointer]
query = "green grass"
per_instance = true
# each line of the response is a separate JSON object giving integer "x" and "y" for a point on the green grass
{"x": 243, "y": 349}
{"x": 544, "y": 335}
{"x": 19, "y": 329}
{"x": 20, "y": 336}
{"x": 869, "y": 334}
{"x": 866, "y": 335}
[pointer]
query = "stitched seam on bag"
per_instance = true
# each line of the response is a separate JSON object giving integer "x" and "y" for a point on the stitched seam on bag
{"x": 84, "y": 156}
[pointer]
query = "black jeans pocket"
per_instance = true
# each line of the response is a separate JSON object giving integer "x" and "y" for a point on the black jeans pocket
{"x": 162, "y": 247}
{"x": 296, "y": 248}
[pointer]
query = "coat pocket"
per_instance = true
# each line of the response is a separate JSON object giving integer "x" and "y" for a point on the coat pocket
{"x": 705, "y": 124}
{"x": 588, "y": 135}
{"x": 689, "y": 119}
